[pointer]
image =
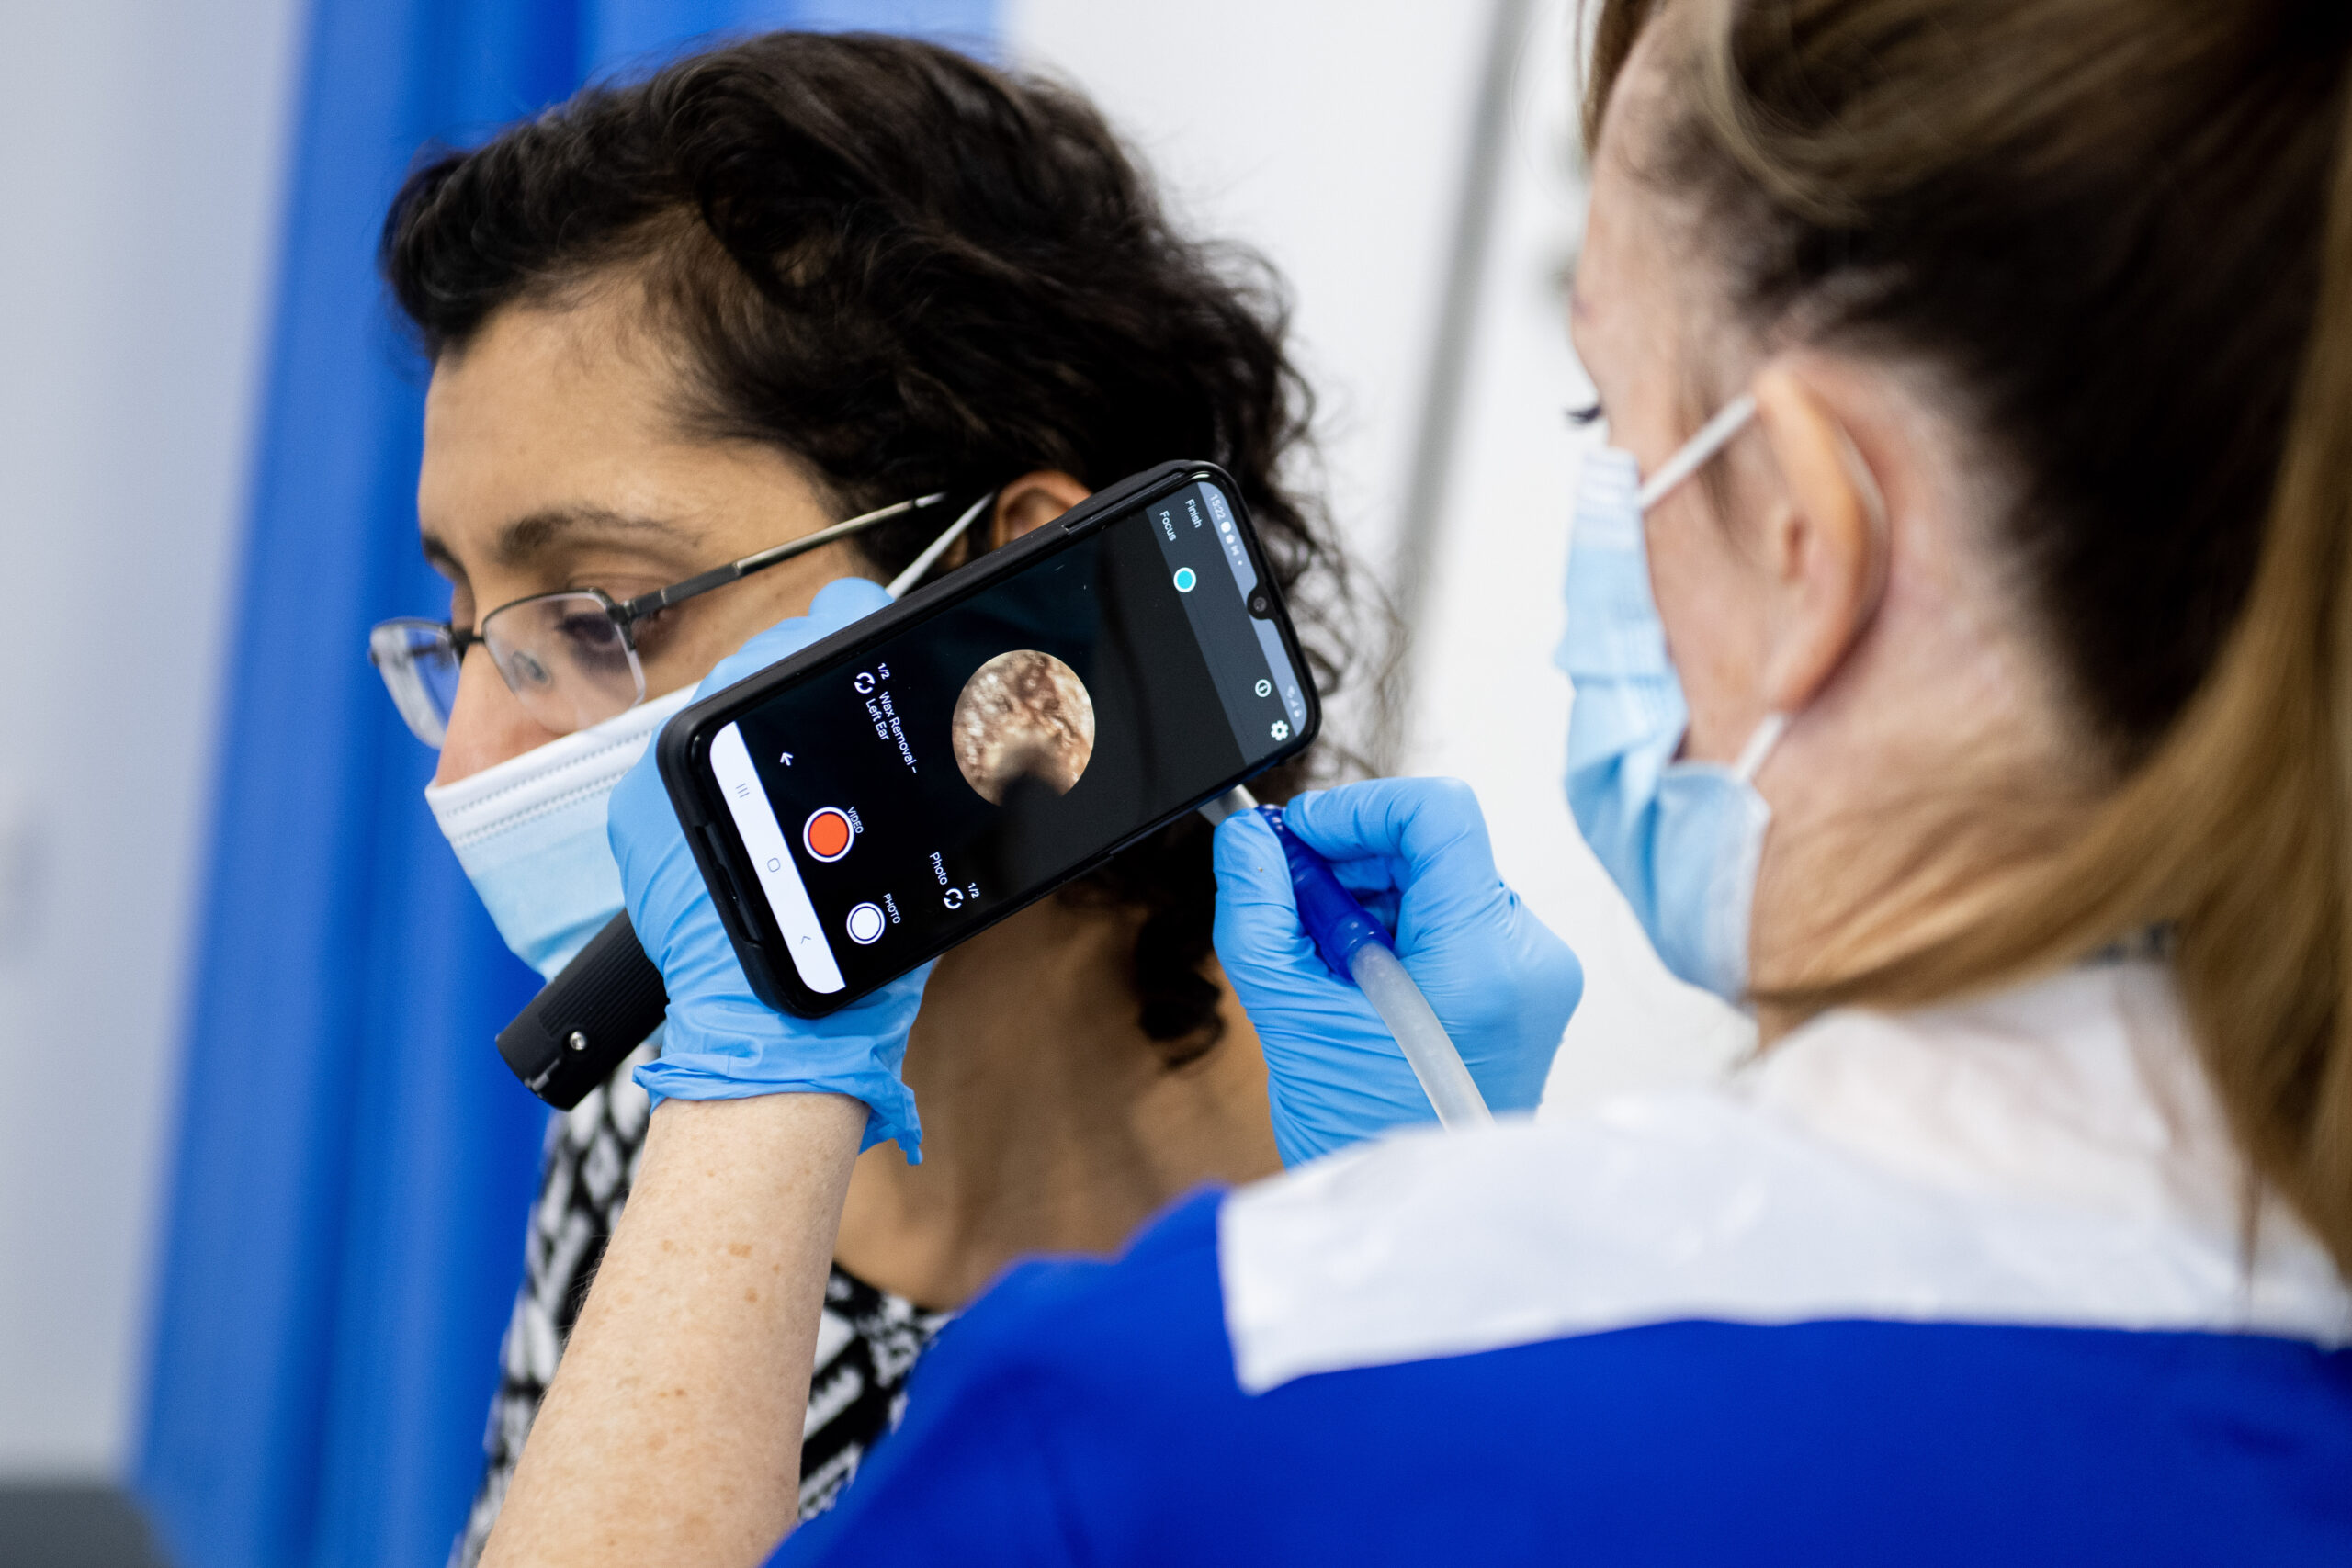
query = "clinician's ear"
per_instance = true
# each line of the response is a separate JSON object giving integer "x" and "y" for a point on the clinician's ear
{"x": 1032, "y": 501}
{"x": 1825, "y": 539}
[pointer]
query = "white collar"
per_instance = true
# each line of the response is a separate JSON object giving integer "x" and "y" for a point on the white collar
{"x": 2049, "y": 1155}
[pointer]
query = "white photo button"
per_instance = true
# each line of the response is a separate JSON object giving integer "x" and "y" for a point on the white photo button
{"x": 865, "y": 923}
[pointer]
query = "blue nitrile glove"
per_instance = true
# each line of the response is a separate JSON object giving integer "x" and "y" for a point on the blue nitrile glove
{"x": 721, "y": 1041}
{"x": 1415, "y": 851}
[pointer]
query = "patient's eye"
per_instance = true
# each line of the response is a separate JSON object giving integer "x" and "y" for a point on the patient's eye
{"x": 1589, "y": 413}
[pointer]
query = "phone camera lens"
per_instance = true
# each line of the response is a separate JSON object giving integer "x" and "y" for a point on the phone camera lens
{"x": 1260, "y": 605}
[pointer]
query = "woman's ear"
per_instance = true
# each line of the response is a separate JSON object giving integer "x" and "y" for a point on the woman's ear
{"x": 1825, "y": 539}
{"x": 1031, "y": 501}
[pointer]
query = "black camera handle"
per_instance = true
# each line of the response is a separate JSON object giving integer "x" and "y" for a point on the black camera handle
{"x": 593, "y": 1014}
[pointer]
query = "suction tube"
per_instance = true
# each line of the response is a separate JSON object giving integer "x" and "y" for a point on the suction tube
{"x": 1353, "y": 942}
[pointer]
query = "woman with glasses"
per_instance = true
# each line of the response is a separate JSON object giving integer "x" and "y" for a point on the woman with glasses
{"x": 797, "y": 310}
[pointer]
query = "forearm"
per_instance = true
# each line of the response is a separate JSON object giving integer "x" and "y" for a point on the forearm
{"x": 671, "y": 1433}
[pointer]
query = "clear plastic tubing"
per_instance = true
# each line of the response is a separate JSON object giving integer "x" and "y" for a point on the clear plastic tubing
{"x": 1358, "y": 946}
{"x": 1429, "y": 1050}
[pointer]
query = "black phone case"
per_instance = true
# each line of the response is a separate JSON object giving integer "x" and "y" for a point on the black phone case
{"x": 710, "y": 831}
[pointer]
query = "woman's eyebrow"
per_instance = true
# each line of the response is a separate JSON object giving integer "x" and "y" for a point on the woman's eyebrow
{"x": 536, "y": 532}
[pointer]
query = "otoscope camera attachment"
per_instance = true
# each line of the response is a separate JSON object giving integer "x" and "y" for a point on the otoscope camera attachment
{"x": 591, "y": 1016}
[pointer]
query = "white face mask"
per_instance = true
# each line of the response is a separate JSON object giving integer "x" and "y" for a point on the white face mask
{"x": 530, "y": 833}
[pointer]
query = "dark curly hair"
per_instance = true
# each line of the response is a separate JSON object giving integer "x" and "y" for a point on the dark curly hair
{"x": 912, "y": 272}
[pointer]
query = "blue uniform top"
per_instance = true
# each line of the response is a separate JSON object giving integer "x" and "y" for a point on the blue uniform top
{"x": 1088, "y": 1413}
{"x": 1793, "y": 1322}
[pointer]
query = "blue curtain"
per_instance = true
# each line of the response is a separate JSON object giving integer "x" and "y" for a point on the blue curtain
{"x": 354, "y": 1163}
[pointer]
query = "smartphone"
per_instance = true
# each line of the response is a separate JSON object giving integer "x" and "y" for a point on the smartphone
{"x": 879, "y": 797}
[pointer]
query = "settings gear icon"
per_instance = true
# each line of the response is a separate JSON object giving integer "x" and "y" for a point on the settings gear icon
{"x": 1281, "y": 731}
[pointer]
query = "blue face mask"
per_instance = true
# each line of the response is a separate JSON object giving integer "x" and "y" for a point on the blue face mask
{"x": 530, "y": 833}
{"x": 1680, "y": 839}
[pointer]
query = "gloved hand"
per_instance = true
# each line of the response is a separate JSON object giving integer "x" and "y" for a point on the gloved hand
{"x": 1415, "y": 852}
{"x": 721, "y": 1041}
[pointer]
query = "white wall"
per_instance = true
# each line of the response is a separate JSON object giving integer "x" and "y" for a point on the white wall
{"x": 1330, "y": 135}
{"x": 139, "y": 173}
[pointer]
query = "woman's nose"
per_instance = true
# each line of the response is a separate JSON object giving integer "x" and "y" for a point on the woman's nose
{"x": 487, "y": 725}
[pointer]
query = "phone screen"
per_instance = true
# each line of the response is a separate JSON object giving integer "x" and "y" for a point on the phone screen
{"x": 892, "y": 800}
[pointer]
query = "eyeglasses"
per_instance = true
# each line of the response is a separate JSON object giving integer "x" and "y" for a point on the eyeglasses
{"x": 571, "y": 658}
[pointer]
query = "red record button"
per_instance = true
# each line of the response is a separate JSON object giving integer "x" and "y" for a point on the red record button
{"x": 827, "y": 833}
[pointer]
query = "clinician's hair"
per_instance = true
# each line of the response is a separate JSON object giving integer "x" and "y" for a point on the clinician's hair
{"x": 2121, "y": 232}
{"x": 912, "y": 273}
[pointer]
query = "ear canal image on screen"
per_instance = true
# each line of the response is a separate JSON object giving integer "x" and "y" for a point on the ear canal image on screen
{"x": 1023, "y": 715}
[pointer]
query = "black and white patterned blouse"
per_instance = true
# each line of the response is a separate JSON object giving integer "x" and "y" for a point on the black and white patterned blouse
{"x": 867, "y": 1344}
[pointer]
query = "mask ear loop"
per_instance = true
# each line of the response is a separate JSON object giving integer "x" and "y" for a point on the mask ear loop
{"x": 1712, "y": 437}
{"x": 923, "y": 563}
{"x": 1760, "y": 741}
{"x": 1694, "y": 454}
